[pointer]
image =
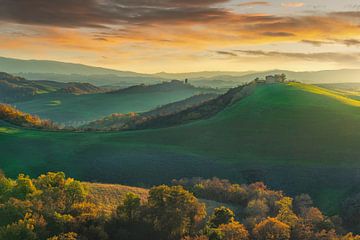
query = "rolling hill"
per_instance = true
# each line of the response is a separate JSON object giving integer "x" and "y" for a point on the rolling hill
{"x": 133, "y": 120}
{"x": 109, "y": 196}
{"x": 13, "y": 65}
{"x": 13, "y": 88}
{"x": 296, "y": 137}
{"x": 351, "y": 90}
{"x": 13, "y": 116}
{"x": 75, "y": 110}
{"x": 71, "y": 72}
{"x": 317, "y": 77}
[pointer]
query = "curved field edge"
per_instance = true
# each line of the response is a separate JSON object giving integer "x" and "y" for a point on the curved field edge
{"x": 287, "y": 137}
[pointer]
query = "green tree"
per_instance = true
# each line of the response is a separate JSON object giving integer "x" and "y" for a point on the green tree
{"x": 351, "y": 212}
{"x": 221, "y": 215}
{"x": 59, "y": 193}
{"x": 6, "y": 187}
{"x": 13, "y": 210}
{"x": 21, "y": 230}
{"x": 23, "y": 188}
{"x": 174, "y": 211}
{"x": 130, "y": 210}
{"x": 285, "y": 213}
{"x": 302, "y": 202}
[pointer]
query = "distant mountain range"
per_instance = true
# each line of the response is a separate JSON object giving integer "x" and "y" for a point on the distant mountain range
{"x": 43, "y": 66}
{"x": 70, "y": 72}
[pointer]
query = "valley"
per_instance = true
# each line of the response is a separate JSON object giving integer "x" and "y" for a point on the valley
{"x": 267, "y": 136}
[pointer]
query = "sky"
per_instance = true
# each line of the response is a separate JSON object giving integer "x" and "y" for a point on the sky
{"x": 185, "y": 35}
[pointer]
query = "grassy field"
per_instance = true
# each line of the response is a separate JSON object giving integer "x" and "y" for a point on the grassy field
{"x": 78, "y": 109}
{"x": 109, "y": 196}
{"x": 292, "y": 137}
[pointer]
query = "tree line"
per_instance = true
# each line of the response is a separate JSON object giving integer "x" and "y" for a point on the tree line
{"x": 14, "y": 116}
{"x": 54, "y": 207}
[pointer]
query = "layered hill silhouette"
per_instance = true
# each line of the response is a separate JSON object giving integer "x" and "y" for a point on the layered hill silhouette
{"x": 13, "y": 88}
{"x": 70, "y": 72}
{"x": 198, "y": 107}
{"x": 116, "y": 121}
{"x": 78, "y": 109}
{"x": 297, "y": 137}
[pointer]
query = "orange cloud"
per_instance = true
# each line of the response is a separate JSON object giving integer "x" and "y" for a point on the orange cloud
{"x": 293, "y": 4}
{"x": 141, "y": 30}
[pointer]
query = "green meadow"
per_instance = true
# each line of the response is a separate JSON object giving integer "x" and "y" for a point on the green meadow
{"x": 73, "y": 109}
{"x": 294, "y": 137}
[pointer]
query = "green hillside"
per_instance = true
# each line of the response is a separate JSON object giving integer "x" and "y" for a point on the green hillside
{"x": 294, "y": 137}
{"x": 133, "y": 120}
{"x": 71, "y": 109}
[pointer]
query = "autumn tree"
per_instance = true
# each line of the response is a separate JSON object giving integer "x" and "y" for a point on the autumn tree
{"x": 271, "y": 229}
{"x": 65, "y": 236}
{"x": 174, "y": 211}
{"x": 233, "y": 231}
{"x": 285, "y": 212}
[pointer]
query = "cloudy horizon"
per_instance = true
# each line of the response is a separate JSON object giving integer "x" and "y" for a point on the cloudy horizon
{"x": 167, "y": 35}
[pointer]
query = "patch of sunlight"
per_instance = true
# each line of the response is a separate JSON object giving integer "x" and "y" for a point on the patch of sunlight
{"x": 8, "y": 130}
{"x": 41, "y": 92}
{"x": 349, "y": 92}
{"x": 326, "y": 92}
{"x": 54, "y": 103}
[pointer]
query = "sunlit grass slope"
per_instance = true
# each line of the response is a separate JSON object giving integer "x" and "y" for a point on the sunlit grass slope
{"x": 326, "y": 92}
{"x": 286, "y": 135}
{"x": 109, "y": 196}
{"x": 72, "y": 109}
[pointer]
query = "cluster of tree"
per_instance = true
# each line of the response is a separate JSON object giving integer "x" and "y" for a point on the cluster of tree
{"x": 257, "y": 204}
{"x": 14, "y": 88}
{"x": 204, "y": 110}
{"x": 173, "y": 85}
{"x": 119, "y": 121}
{"x": 54, "y": 207}
{"x": 207, "y": 106}
{"x": 14, "y": 116}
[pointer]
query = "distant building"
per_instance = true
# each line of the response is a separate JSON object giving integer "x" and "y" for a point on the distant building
{"x": 275, "y": 78}
{"x": 259, "y": 80}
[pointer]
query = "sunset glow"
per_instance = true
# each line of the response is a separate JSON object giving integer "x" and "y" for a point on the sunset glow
{"x": 179, "y": 36}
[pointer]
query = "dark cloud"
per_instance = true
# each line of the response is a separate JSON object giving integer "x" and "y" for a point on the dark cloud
{"x": 135, "y": 19}
{"x": 348, "y": 14}
{"x": 254, "y": 3}
{"x": 100, "y": 39}
{"x": 322, "y": 56}
{"x": 278, "y": 34}
{"x": 99, "y": 13}
{"x": 347, "y": 42}
{"x": 351, "y": 42}
{"x": 316, "y": 42}
{"x": 227, "y": 53}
